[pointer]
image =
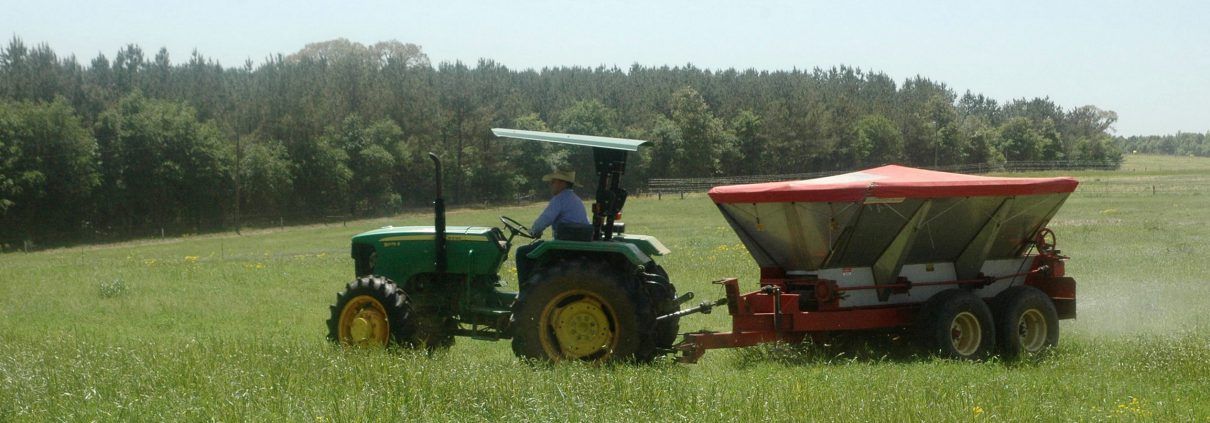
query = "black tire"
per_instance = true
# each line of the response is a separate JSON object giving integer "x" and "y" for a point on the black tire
{"x": 376, "y": 302}
{"x": 956, "y": 324}
{"x": 662, "y": 302}
{"x": 584, "y": 285}
{"x": 1027, "y": 323}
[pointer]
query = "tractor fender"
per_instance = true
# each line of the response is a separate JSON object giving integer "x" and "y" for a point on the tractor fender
{"x": 647, "y": 244}
{"x": 630, "y": 251}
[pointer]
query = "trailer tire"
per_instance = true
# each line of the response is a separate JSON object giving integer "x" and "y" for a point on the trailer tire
{"x": 582, "y": 304}
{"x": 371, "y": 312}
{"x": 957, "y": 324}
{"x": 1026, "y": 321}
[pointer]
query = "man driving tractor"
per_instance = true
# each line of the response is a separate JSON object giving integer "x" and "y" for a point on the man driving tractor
{"x": 565, "y": 207}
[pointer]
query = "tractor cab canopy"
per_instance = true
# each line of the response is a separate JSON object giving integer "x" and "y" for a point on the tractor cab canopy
{"x": 609, "y": 155}
{"x": 572, "y": 139}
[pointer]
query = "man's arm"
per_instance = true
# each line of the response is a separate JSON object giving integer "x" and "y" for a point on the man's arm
{"x": 544, "y": 220}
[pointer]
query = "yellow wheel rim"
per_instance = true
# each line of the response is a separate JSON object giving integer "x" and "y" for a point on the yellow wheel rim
{"x": 578, "y": 325}
{"x": 363, "y": 323}
{"x": 1031, "y": 330}
{"x": 965, "y": 333}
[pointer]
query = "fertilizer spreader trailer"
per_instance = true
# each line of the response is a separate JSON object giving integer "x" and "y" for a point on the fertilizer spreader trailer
{"x": 964, "y": 261}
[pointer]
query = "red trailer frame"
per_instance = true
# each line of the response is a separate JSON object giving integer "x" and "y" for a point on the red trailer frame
{"x": 774, "y": 312}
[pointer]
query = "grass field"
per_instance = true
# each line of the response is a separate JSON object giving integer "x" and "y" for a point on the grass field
{"x": 230, "y": 328}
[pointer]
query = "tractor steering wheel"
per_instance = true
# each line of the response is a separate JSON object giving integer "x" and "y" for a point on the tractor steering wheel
{"x": 515, "y": 228}
{"x": 1045, "y": 241}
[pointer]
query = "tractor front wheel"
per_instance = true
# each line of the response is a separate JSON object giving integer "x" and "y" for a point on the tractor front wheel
{"x": 575, "y": 311}
{"x": 957, "y": 324}
{"x": 371, "y": 312}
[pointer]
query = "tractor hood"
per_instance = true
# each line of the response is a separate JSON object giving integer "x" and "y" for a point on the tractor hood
{"x": 424, "y": 233}
{"x": 401, "y": 252}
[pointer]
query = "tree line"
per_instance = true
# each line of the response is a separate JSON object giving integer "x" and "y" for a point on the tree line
{"x": 1179, "y": 144}
{"x": 134, "y": 142}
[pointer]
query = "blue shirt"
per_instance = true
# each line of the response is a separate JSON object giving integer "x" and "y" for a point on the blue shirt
{"x": 564, "y": 207}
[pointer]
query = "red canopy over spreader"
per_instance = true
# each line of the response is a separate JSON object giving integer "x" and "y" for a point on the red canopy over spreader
{"x": 889, "y": 182}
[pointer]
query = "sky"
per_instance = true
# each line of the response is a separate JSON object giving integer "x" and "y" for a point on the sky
{"x": 1147, "y": 61}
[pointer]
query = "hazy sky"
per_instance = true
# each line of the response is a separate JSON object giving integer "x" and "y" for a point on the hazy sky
{"x": 1148, "y": 61}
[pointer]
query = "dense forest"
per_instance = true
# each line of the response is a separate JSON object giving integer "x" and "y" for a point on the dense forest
{"x": 1180, "y": 144}
{"x": 135, "y": 143}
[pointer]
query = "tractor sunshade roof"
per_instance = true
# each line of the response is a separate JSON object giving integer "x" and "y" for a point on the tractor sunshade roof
{"x": 573, "y": 139}
{"x": 889, "y": 182}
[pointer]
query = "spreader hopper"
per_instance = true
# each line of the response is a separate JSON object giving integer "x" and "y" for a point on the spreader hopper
{"x": 884, "y": 219}
{"x": 870, "y": 249}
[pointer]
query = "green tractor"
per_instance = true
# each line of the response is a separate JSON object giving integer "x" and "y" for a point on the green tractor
{"x": 594, "y": 293}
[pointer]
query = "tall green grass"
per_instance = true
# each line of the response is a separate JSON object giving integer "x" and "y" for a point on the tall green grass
{"x": 225, "y": 327}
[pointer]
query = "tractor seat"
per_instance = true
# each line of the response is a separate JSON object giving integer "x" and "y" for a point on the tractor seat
{"x": 573, "y": 232}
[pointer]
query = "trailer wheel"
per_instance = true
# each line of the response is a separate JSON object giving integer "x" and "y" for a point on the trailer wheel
{"x": 575, "y": 311}
{"x": 371, "y": 312}
{"x": 1026, "y": 321}
{"x": 957, "y": 324}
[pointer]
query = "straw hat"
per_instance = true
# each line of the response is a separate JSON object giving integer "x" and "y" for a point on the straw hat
{"x": 568, "y": 176}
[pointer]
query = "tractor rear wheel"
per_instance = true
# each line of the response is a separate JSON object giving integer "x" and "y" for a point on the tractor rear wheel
{"x": 957, "y": 324}
{"x": 1026, "y": 322}
{"x": 662, "y": 301}
{"x": 576, "y": 310}
{"x": 371, "y": 312}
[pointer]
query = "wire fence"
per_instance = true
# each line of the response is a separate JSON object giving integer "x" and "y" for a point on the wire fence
{"x": 121, "y": 233}
{"x": 1144, "y": 186}
{"x": 662, "y": 186}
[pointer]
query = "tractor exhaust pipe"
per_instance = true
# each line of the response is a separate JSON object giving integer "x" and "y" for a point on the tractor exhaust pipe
{"x": 439, "y": 225}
